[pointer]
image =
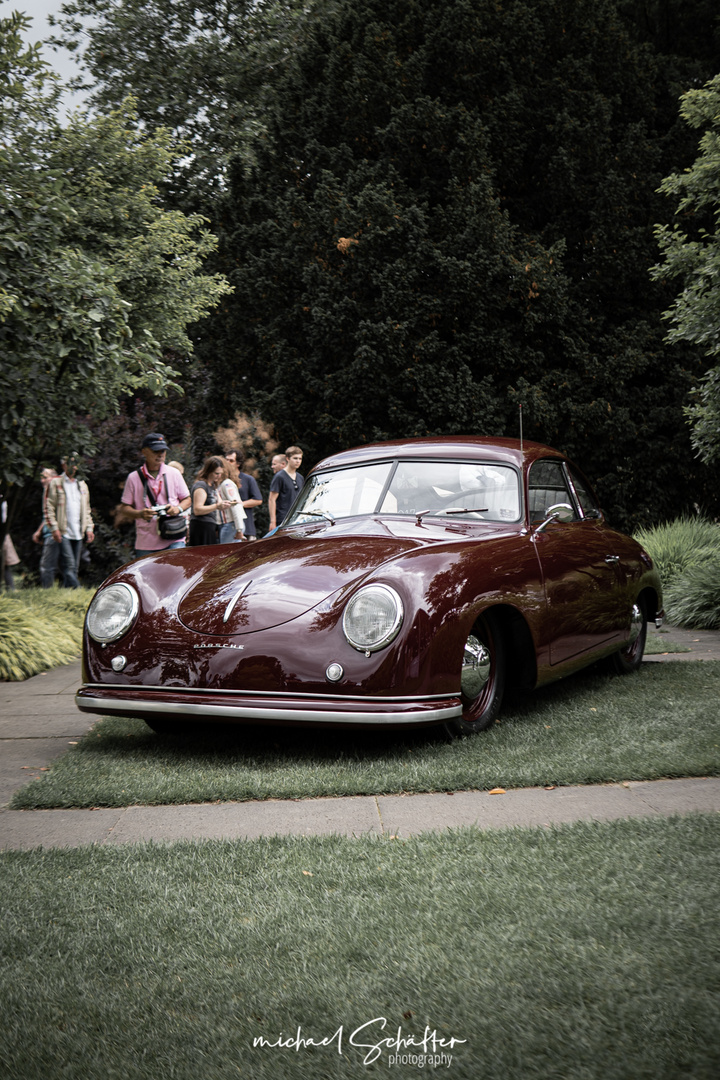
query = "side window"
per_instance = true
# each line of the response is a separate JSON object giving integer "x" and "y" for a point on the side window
{"x": 546, "y": 487}
{"x": 587, "y": 500}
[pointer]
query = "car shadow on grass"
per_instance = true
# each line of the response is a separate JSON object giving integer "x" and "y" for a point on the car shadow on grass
{"x": 324, "y": 743}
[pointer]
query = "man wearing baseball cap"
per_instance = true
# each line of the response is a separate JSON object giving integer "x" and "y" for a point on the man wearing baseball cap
{"x": 153, "y": 484}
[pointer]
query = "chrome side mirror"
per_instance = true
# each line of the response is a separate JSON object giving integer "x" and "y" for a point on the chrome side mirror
{"x": 559, "y": 512}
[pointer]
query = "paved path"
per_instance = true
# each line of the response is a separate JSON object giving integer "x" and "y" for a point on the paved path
{"x": 388, "y": 815}
{"x": 39, "y": 721}
{"x": 701, "y": 644}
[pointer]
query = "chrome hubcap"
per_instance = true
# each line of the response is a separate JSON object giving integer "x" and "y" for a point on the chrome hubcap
{"x": 475, "y": 667}
{"x": 636, "y": 622}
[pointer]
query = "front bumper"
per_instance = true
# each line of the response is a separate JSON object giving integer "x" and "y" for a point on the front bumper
{"x": 232, "y": 706}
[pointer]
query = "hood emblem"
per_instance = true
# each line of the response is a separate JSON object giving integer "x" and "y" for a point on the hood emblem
{"x": 218, "y": 645}
{"x": 233, "y": 602}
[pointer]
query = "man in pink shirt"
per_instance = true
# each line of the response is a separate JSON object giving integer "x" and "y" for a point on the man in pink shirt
{"x": 158, "y": 481}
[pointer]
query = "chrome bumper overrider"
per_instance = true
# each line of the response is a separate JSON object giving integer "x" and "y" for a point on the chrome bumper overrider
{"x": 255, "y": 707}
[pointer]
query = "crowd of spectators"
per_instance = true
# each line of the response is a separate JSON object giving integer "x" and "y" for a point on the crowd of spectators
{"x": 217, "y": 506}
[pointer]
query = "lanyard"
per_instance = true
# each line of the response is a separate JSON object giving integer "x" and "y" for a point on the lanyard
{"x": 154, "y": 483}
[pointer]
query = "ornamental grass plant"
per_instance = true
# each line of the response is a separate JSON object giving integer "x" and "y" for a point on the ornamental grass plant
{"x": 686, "y": 553}
{"x": 40, "y": 629}
{"x": 693, "y": 598}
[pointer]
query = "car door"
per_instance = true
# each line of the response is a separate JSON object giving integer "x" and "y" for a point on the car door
{"x": 579, "y": 568}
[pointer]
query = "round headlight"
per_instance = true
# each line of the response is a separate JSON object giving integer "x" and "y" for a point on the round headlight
{"x": 372, "y": 618}
{"x": 112, "y": 613}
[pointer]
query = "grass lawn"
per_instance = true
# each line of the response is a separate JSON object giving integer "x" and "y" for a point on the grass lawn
{"x": 662, "y": 721}
{"x": 581, "y": 952}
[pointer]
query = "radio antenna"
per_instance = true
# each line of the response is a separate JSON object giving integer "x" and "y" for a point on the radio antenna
{"x": 521, "y": 433}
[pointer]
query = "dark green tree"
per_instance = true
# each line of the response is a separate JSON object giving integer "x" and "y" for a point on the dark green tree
{"x": 386, "y": 297}
{"x": 452, "y": 213}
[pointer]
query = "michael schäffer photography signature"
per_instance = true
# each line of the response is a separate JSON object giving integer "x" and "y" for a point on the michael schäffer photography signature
{"x": 425, "y": 1050}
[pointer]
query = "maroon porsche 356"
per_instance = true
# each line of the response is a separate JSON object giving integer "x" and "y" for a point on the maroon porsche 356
{"x": 412, "y": 583}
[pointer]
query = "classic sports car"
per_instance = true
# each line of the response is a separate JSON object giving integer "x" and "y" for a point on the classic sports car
{"x": 411, "y": 583}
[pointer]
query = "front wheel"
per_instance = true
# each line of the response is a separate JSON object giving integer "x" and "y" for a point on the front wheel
{"x": 630, "y": 656}
{"x": 482, "y": 678}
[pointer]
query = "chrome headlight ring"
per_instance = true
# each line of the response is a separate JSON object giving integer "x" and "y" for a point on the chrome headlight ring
{"x": 112, "y": 612}
{"x": 372, "y": 618}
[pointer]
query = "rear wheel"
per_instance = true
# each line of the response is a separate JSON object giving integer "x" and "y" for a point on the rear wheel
{"x": 630, "y": 656}
{"x": 482, "y": 678}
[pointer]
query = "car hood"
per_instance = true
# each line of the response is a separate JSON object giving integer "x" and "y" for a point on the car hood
{"x": 285, "y": 577}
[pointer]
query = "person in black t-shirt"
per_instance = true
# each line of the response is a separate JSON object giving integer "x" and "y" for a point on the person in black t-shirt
{"x": 285, "y": 486}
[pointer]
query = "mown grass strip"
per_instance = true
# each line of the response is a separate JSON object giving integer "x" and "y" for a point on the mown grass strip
{"x": 588, "y": 951}
{"x": 592, "y": 728}
{"x": 40, "y": 629}
{"x": 659, "y": 645}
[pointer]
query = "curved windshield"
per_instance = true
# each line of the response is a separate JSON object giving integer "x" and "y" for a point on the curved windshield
{"x": 466, "y": 490}
{"x": 462, "y": 489}
{"x": 342, "y": 493}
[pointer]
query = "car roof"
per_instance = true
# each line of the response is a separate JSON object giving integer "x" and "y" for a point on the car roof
{"x": 450, "y": 447}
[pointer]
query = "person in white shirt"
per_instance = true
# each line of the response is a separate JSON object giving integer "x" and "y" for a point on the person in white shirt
{"x": 232, "y": 528}
{"x": 68, "y": 516}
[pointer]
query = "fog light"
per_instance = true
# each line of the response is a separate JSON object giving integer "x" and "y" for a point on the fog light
{"x": 118, "y": 663}
{"x": 334, "y": 672}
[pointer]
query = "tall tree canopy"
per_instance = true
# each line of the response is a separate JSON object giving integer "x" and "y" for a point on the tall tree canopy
{"x": 453, "y": 213}
{"x": 97, "y": 282}
{"x": 691, "y": 252}
{"x": 203, "y": 70}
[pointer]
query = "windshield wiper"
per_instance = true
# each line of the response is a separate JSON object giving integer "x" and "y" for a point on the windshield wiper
{"x": 446, "y": 513}
{"x": 319, "y": 513}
